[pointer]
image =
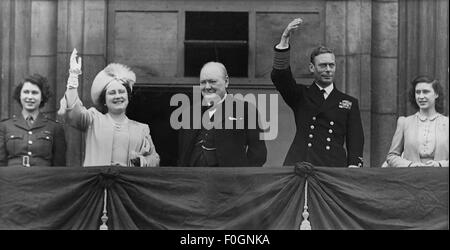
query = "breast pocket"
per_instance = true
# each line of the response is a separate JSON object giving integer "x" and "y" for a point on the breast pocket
{"x": 44, "y": 145}
{"x": 13, "y": 143}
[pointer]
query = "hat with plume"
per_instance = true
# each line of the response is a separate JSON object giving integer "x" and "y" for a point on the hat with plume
{"x": 113, "y": 72}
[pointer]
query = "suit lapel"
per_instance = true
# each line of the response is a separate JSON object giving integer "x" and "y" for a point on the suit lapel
{"x": 20, "y": 122}
{"x": 314, "y": 95}
{"x": 218, "y": 116}
{"x": 332, "y": 100}
{"x": 40, "y": 121}
{"x": 191, "y": 134}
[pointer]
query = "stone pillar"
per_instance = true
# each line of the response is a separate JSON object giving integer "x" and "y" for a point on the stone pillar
{"x": 81, "y": 25}
{"x": 15, "y": 35}
{"x": 384, "y": 77}
{"x": 348, "y": 32}
{"x": 42, "y": 57}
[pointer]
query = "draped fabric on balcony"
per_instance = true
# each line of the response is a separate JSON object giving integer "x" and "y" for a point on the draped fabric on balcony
{"x": 223, "y": 198}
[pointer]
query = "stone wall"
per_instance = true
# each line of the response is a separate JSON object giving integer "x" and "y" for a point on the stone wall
{"x": 380, "y": 46}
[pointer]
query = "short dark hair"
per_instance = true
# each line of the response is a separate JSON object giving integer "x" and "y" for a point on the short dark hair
{"x": 102, "y": 98}
{"x": 37, "y": 80}
{"x": 320, "y": 50}
{"x": 439, "y": 103}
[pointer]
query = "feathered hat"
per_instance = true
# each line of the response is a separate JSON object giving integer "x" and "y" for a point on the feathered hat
{"x": 112, "y": 72}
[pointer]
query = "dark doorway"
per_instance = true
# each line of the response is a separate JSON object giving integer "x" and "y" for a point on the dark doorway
{"x": 151, "y": 105}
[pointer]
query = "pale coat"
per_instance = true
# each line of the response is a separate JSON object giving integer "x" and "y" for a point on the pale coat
{"x": 404, "y": 148}
{"x": 99, "y": 139}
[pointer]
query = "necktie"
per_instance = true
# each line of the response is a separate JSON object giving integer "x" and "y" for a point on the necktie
{"x": 322, "y": 97}
{"x": 30, "y": 121}
{"x": 322, "y": 91}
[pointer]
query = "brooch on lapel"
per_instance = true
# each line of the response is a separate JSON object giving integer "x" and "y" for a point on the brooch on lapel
{"x": 345, "y": 104}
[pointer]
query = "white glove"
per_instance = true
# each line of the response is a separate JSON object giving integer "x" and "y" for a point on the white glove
{"x": 74, "y": 70}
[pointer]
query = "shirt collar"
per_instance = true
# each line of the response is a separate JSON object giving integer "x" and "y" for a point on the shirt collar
{"x": 224, "y": 96}
{"x": 327, "y": 89}
{"x": 221, "y": 100}
{"x": 424, "y": 118}
{"x": 34, "y": 115}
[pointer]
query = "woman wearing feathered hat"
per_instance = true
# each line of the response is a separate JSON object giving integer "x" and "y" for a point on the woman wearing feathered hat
{"x": 111, "y": 138}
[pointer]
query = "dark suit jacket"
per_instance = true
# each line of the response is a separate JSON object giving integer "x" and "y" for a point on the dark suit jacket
{"x": 234, "y": 147}
{"x": 44, "y": 142}
{"x": 322, "y": 129}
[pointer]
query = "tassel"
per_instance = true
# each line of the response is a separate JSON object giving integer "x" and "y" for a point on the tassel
{"x": 306, "y": 225}
{"x": 104, "y": 217}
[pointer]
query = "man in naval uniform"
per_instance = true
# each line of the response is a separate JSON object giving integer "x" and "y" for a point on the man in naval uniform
{"x": 326, "y": 119}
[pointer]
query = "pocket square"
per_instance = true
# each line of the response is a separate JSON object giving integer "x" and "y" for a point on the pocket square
{"x": 345, "y": 104}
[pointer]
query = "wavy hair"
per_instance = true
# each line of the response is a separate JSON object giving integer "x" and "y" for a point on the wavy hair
{"x": 439, "y": 103}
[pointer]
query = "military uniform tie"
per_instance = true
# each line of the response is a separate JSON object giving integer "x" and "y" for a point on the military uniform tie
{"x": 322, "y": 91}
{"x": 30, "y": 121}
{"x": 322, "y": 95}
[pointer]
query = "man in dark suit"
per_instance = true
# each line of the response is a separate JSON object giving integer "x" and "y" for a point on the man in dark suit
{"x": 229, "y": 135}
{"x": 326, "y": 119}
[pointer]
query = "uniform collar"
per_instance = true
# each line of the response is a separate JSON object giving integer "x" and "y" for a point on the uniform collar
{"x": 40, "y": 121}
{"x": 34, "y": 115}
{"x": 211, "y": 112}
{"x": 327, "y": 89}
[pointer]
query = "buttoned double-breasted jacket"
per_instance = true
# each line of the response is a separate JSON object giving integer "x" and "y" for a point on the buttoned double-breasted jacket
{"x": 328, "y": 133}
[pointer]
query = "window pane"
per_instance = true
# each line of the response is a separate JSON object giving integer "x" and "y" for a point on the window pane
{"x": 216, "y": 26}
{"x": 216, "y": 36}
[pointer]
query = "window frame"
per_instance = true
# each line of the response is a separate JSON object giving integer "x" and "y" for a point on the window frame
{"x": 253, "y": 7}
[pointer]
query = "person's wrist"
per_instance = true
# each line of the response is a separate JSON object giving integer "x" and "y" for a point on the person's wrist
{"x": 75, "y": 72}
{"x": 282, "y": 45}
{"x": 72, "y": 82}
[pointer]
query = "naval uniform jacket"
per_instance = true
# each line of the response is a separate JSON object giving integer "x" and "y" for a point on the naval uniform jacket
{"x": 323, "y": 127}
{"x": 44, "y": 142}
{"x": 237, "y": 147}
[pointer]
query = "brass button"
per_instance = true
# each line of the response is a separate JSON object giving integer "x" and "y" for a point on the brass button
{"x": 314, "y": 118}
{"x": 330, "y": 131}
{"x": 327, "y": 147}
{"x": 312, "y": 126}
{"x": 331, "y": 123}
{"x": 328, "y": 139}
{"x": 309, "y": 145}
{"x": 311, "y": 136}
{"x": 48, "y": 138}
{"x": 30, "y": 142}
{"x": 29, "y": 153}
{"x": 30, "y": 132}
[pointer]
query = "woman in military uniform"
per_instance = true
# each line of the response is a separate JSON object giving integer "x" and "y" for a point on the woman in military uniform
{"x": 31, "y": 138}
